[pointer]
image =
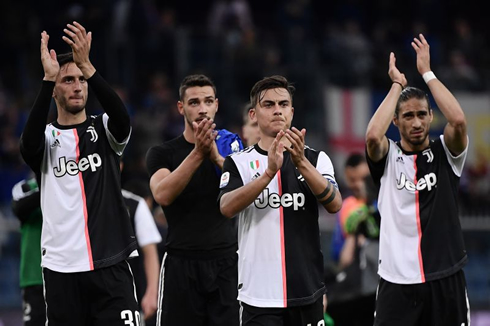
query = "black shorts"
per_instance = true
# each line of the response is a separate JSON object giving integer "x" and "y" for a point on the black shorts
{"x": 33, "y": 306}
{"x": 198, "y": 292}
{"x": 102, "y": 297}
{"x": 311, "y": 314}
{"x": 442, "y": 302}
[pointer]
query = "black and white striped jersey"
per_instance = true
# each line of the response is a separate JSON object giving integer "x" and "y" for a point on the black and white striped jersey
{"x": 421, "y": 238}
{"x": 86, "y": 224}
{"x": 142, "y": 220}
{"x": 280, "y": 259}
{"x": 147, "y": 233}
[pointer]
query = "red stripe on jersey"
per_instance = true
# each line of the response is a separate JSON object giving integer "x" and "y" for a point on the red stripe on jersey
{"x": 84, "y": 199}
{"x": 283, "y": 249}
{"x": 417, "y": 213}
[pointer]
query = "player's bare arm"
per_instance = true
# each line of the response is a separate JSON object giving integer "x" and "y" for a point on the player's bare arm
{"x": 167, "y": 185}
{"x": 235, "y": 201}
{"x": 455, "y": 132}
{"x": 376, "y": 141}
{"x": 327, "y": 194}
{"x": 152, "y": 269}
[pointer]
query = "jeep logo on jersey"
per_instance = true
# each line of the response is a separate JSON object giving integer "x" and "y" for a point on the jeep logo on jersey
{"x": 92, "y": 162}
{"x": 273, "y": 200}
{"x": 427, "y": 181}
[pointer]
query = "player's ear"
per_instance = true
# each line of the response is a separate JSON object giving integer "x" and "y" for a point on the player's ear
{"x": 180, "y": 106}
{"x": 252, "y": 114}
{"x": 217, "y": 104}
{"x": 395, "y": 121}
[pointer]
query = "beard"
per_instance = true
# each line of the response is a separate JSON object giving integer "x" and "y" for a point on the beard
{"x": 73, "y": 109}
{"x": 418, "y": 141}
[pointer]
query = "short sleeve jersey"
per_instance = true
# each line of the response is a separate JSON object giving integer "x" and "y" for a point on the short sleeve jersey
{"x": 86, "y": 224}
{"x": 146, "y": 233}
{"x": 280, "y": 259}
{"x": 196, "y": 227}
{"x": 420, "y": 237}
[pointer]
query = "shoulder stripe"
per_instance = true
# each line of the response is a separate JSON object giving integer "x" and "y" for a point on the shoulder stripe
{"x": 245, "y": 150}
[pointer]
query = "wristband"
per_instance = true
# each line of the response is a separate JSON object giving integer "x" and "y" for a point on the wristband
{"x": 265, "y": 171}
{"x": 428, "y": 76}
{"x": 396, "y": 82}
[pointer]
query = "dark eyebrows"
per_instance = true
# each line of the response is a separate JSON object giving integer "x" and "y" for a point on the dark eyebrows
{"x": 193, "y": 99}
{"x": 272, "y": 102}
{"x": 412, "y": 113}
{"x": 267, "y": 102}
{"x": 71, "y": 77}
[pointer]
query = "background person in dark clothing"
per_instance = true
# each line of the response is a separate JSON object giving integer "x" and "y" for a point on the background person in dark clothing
{"x": 26, "y": 206}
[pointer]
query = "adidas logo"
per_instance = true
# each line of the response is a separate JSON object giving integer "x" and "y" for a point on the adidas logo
{"x": 56, "y": 144}
{"x": 256, "y": 175}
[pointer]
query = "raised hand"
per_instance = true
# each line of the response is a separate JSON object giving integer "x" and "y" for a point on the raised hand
{"x": 275, "y": 155}
{"x": 80, "y": 41}
{"x": 394, "y": 73}
{"x": 297, "y": 140}
{"x": 422, "y": 48}
{"x": 48, "y": 59}
{"x": 204, "y": 135}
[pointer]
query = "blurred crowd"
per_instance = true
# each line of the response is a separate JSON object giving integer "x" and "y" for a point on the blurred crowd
{"x": 145, "y": 47}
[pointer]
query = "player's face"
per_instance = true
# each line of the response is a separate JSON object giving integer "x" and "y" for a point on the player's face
{"x": 274, "y": 112}
{"x": 71, "y": 89}
{"x": 354, "y": 179}
{"x": 413, "y": 122}
{"x": 199, "y": 103}
{"x": 250, "y": 131}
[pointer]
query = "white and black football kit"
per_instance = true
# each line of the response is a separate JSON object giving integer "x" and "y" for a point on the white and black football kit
{"x": 280, "y": 259}
{"x": 146, "y": 233}
{"x": 86, "y": 225}
{"x": 198, "y": 277}
{"x": 420, "y": 239}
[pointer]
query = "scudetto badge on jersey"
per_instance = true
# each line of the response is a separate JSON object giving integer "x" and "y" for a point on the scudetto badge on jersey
{"x": 225, "y": 178}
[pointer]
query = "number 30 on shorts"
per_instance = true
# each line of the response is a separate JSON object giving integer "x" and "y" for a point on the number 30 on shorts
{"x": 130, "y": 318}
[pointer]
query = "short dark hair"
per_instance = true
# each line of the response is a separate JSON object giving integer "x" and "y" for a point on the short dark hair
{"x": 64, "y": 58}
{"x": 246, "y": 109}
{"x": 409, "y": 93}
{"x": 354, "y": 160}
{"x": 271, "y": 82}
{"x": 195, "y": 81}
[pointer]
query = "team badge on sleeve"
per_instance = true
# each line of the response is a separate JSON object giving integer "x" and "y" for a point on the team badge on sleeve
{"x": 225, "y": 178}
